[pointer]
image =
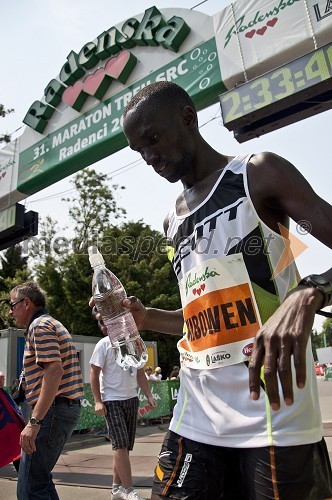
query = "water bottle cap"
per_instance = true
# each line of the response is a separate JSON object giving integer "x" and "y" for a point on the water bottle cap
{"x": 95, "y": 257}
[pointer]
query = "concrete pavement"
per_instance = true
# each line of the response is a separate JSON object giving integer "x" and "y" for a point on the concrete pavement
{"x": 84, "y": 469}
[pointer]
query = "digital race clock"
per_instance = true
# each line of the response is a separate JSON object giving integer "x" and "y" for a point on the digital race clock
{"x": 16, "y": 225}
{"x": 279, "y": 93}
{"x": 11, "y": 219}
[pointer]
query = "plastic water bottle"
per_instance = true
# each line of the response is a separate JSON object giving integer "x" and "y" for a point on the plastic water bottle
{"x": 108, "y": 293}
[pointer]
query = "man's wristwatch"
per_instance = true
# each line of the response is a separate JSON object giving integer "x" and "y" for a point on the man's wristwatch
{"x": 35, "y": 421}
{"x": 322, "y": 284}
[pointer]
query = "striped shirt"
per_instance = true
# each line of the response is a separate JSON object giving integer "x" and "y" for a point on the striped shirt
{"x": 48, "y": 340}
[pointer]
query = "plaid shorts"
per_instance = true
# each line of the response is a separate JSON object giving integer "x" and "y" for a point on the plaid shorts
{"x": 121, "y": 421}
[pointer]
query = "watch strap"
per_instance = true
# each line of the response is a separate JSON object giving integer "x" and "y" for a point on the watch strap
{"x": 326, "y": 288}
{"x": 35, "y": 421}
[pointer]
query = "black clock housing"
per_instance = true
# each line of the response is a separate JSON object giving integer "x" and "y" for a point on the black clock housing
{"x": 283, "y": 96}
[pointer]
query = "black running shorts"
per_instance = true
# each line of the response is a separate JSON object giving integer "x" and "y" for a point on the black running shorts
{"x": 194, "y": 471}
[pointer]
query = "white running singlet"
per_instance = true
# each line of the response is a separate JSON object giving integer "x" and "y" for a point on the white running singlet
{"x": 226, "y": 260}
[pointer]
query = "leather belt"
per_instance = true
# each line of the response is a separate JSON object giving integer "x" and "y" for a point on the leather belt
{"x": 61, "y": 400}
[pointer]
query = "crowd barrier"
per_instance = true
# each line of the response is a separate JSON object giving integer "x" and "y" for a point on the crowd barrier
{"x": 328, "y": 372}
{"x": 164, "y": 392}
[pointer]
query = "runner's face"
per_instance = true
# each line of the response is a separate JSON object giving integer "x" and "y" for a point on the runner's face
{"x": 163, "y": 140}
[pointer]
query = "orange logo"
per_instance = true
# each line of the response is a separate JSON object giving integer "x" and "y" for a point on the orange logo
{"x": 293, "y": 248}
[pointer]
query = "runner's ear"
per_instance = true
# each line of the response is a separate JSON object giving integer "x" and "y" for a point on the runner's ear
{"x": 189, "y": 116}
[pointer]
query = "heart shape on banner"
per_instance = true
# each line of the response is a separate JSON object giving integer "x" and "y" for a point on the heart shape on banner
{"x": 272, "y": 22}
{"x": 261, "y": 31}
{"x": 75, "y": 96}
{"x": 141, "y": 411}
{"x": 97, "y": 83}
{"x": 116, "y": 65}
{"x": 250, "y": 34}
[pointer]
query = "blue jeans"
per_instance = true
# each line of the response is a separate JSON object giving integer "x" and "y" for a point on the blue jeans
{"x": 25, "y": 409}
{"x": 35, "y": 477}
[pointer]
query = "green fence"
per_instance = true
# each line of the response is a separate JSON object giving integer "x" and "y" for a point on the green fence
{"x": 164, "y": 392}
{"x": 328, "y": 372}
{"x": 88, "y": 418}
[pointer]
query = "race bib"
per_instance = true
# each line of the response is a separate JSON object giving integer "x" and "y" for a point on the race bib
{"x": 220, "y": 313}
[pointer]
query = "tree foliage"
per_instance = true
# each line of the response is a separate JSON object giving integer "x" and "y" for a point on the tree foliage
{"x": 13, "y": 271}
{"x": 322, "y": 339}
{"x": 136, "y": 254}
{"x": 12, "y": 261}
{"x": 327, "y": 332}
{"x": 94, "y": 205}
{"x": 132, "y": 250}
{"x": 3, "y": 113}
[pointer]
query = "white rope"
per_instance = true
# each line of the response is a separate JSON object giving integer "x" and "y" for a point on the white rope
{"x": 239, "y": 44}
{"x": 311, "y": 25}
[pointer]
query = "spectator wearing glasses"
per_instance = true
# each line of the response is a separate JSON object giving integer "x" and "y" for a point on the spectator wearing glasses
{"x": 54, "y": 389}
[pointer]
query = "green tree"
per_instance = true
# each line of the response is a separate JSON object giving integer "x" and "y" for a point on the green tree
{"x": 41, "y": 247}
{"x": 326, "y": 332}
{"x": 11, "y": 261}
{"x": 13, "y": 271}
{"x": 316, "y": 342}
{"x": 137, "y": 255}
{"x": 3, "y": 113}
{"x": 48, "y": 266}
{"x": 322, "y": 339}
{"x": 132, "y": 250}
{"x": 66, "y": 275}
{"x": 66, "y": 278}
{"x": 93, "y": 207}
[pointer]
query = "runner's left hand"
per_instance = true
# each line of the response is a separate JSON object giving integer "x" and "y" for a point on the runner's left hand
{"x": 284, "y": 335}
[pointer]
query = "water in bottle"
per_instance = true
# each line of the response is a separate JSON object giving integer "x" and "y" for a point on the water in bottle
{"x": 108, "y": 293}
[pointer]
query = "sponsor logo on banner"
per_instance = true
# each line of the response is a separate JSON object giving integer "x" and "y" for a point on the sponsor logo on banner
{"x": 220, "y": 356}
{"x": 5, "y": 166}
{"x": 73, "y": 86}
{"x": 259, "y": 22}
{"x": 195, "y": 282}
{"x": 323, "y": 13}
{"x": 247, "y": 350}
